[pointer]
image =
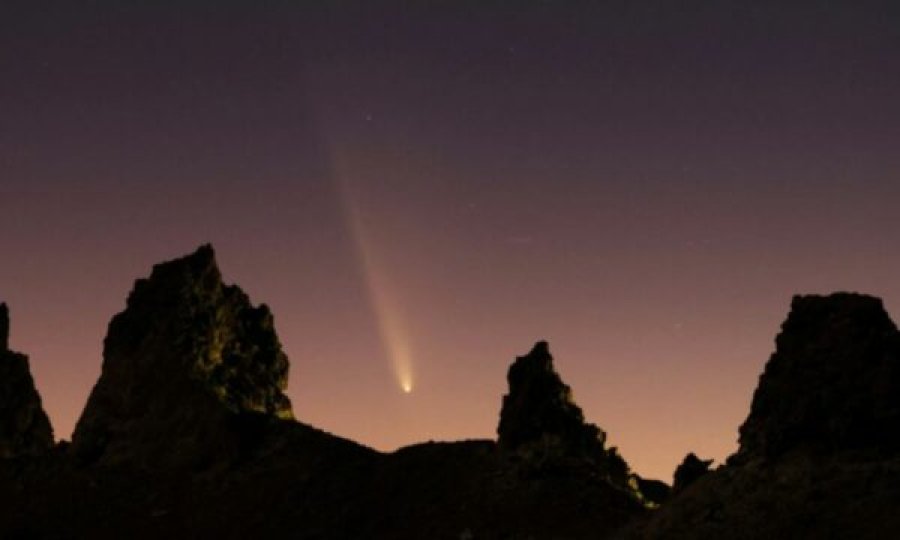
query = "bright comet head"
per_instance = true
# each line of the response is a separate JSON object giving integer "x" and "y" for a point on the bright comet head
{"x": 404, "y": 375}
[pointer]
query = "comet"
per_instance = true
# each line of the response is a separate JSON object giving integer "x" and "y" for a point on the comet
{"x": 392, "y": 330}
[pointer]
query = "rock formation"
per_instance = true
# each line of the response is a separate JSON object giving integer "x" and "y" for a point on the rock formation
{"x": 833, "y": 382}
{"x": 539, "y": 420}
{"x": 689, "y": 471}
{"x": 819, "y": 453}
{"x": 185, "y": 436}
{"x": 24, "y": 427}
{"x": 539, "y": 408}
{"x": 186, "y": 357}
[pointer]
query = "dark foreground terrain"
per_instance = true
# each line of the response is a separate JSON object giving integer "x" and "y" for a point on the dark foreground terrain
{"x": 188, "y": 434}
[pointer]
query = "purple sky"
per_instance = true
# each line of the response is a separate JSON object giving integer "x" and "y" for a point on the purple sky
{"x": 424, "y": 192}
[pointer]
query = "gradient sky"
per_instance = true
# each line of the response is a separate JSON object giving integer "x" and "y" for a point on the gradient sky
{"x": 421, "y": 193}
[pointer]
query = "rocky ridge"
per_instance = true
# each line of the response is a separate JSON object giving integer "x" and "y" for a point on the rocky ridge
{"x": 188, "y": 434}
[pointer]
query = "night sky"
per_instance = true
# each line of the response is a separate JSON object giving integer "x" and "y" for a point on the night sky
{"x": 422, "y": 190}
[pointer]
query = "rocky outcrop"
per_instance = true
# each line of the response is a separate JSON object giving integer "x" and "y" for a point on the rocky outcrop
{"x": 833, "y": 382}
{"x": 540, "y": 422}
{"x": 819, "y": 453}
{"x": 539, "y": 409}
{"x": 24, "y": 427}
{"x": 186, "y": 359}
{"x": 193, "y": 376}
{"x": 180, "y": 449}
{"x": 690, "y": 469}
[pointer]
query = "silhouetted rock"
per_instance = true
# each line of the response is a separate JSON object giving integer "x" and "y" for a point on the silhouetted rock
{"x": 4, "y": 327}
{"x": 820, "y": 450}
{"x": 689, "y": 471}
{"x": 539, "y": 409}
{"x": 187, "y": 435}
{"x": 193, "y": 376}
{"x": 24, "y": 426}
{"x": 833, "y": 382}
{"x": 540, "y": 422}
{"x": 186, "y": 356}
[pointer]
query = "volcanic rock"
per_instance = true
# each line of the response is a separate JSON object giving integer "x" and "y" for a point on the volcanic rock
{"x": 24, "y": 426}
{"x": 833, "y": 382}
{"x": 689, "y": 471}
{"x": 186, "y": 359}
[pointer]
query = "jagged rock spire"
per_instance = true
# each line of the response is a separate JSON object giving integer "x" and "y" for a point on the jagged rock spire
{"x": 187, "y": 352}
{"x": 539, "y": 405}
{"x": 540, "y": 422}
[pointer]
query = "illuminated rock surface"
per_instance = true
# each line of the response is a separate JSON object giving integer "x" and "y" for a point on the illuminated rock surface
{"x": 24, "y": 427}
{"x": 186, "y": 355}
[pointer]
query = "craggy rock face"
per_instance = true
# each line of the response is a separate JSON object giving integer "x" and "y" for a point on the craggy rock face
{"x": 833, "y": 382}
{"x": 24, "y": 426}
{"x": 186, "y": 353}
